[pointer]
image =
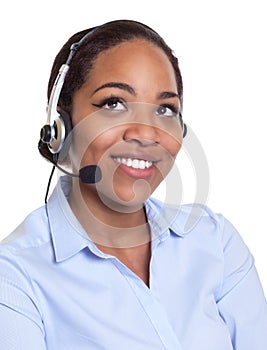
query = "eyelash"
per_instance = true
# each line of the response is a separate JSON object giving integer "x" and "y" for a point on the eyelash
{"x": 115, "y": 99}
{"x": 171, "y": 106}
{"x": 109, "y": 100}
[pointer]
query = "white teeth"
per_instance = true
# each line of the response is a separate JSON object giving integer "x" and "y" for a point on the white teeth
{"x": 134, "y": 163}
{"x": 142, "y": 164}
{"x": 148, "y": 164}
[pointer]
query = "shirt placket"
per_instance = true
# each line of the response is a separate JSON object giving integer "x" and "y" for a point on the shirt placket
{"x": 152, "y": 307}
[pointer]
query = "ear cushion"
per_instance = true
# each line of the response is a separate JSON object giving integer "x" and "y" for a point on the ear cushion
{"x": 45, "y": 152}
{"x": 184, "y": 130}
{"x": 183, "y": 125}
{"x": 64, "y": 123}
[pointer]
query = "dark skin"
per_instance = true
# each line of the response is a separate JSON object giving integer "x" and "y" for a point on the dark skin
{"x": 112, "y": 211}
{"x": 136, "y": 258}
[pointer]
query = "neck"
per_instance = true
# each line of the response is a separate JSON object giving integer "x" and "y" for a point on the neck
{"x": 122, "y": 227}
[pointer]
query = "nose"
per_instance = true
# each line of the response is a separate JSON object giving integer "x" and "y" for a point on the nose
{"x": 144, "y": 134}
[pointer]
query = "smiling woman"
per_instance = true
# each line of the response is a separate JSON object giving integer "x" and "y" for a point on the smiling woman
{"x": 142, "y": 119}
{"x": 115, "y": 128}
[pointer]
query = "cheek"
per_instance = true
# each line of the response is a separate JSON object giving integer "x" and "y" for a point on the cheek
{"x": 175, "y": 148}
{"x": 171, "y": 144}
{"x": 171, "y": 136}
{"x": 88, "y": 145}
{"x": 96, "y": 151}
{"x": 171, "y": 148}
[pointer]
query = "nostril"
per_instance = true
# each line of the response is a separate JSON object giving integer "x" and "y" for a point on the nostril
{"x": 143, "y": 142}
{"x": 145, "y": 135}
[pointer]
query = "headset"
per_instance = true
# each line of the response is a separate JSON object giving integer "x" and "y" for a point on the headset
{"x": 55, "y": 135}
{"x": 55, "y": 132}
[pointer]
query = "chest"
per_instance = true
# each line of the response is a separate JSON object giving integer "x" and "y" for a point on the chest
{"x": 102, "y": 304}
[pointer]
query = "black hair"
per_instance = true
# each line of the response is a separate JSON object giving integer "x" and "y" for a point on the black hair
{"x": 102, "y": 38}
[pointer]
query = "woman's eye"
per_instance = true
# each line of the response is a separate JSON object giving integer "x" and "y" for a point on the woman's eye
{"x": 112, "y": 104}
{"x": 167, "y": 111}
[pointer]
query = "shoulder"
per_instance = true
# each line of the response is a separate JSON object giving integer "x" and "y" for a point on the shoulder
{"x": 20, "y": 253}
{"x": 195, "y": 221}
{"x": 32, "y": 232}
{"x": 23, "y": 251}
{"x": 208, "y": 238}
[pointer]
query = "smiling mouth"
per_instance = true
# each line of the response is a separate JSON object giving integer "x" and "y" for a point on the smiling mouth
{"x": 134, "y": 163}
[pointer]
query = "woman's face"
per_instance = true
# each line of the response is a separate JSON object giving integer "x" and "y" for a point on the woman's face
{"x": 126, "y": 121}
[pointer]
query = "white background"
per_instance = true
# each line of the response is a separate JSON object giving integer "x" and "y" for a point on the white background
{"x": 221, "y": 47}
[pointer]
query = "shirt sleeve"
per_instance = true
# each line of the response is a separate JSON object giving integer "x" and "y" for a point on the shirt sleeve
{"x": 20, "y": 320}
{"x": 241, "y": 301}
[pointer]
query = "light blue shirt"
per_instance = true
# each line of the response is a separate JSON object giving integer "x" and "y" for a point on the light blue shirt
{"x": 59, "y": 292}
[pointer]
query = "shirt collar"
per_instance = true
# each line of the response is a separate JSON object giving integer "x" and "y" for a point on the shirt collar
{"x": 180, "y": 220}
{"x": 163, "y": 218}
{"x": 69, "y": 237}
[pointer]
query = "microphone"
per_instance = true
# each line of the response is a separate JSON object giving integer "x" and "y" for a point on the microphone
{"x": 90, "y": 174}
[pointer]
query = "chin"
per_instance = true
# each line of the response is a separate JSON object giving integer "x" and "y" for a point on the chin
{"x": 126, "y": 200}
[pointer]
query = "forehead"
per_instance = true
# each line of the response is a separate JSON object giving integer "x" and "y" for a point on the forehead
{"x": 135, "y": 61}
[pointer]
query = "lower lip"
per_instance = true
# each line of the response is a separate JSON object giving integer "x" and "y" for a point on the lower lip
{"x": 137, "y": 173}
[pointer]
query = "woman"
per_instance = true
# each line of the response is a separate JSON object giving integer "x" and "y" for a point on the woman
{"x": 102, "y": 265}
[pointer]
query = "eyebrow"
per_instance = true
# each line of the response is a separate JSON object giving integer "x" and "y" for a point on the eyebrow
{"x": 122, "y": 86}
{"x": 126, "y": 87}
{"x": 167, "y": 94}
